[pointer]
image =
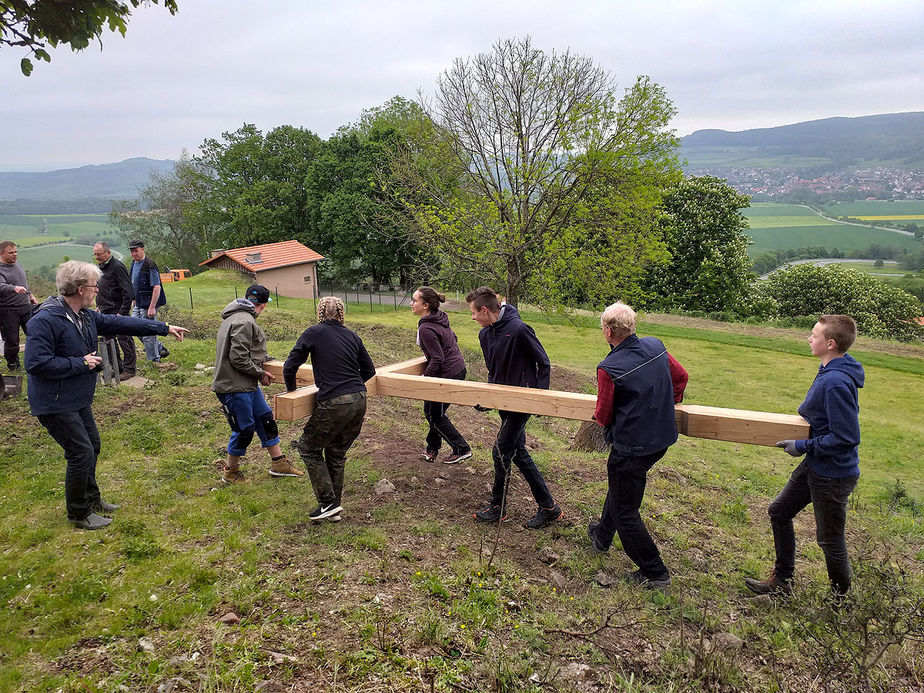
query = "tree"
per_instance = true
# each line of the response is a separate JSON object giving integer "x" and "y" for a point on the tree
{"x": 164, "y": 215}
{"x": 704, "y": 230}
{"x": 37, "y": 24}
{"x": 256, "y": 185}
{"x": 558, "y": 177}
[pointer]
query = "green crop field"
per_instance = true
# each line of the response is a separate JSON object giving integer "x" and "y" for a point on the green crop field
{"x": 408, "y": 593}
{"x": 25, "y": 228}
{"x": 33, "y": 258}
{"x": 899, "y": 210}
{"x": 783, "y": 226}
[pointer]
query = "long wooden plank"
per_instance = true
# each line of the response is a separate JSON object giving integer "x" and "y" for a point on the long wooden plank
{"x": 740, "y": 425}
{"x": 304, "y": 376}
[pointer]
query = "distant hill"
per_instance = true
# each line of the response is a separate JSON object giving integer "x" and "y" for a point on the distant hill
{"x": 106, "y": 181}
{"x": 895, "y": 140}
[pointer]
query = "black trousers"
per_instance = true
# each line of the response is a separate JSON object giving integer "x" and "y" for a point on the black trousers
{"x": 76, "y": 433}
{"x": 627, "y": 477}
{"x": 11, "y": 319}
{"x": 128, "y": 356}
{"x": 829, "y": 499}
{"x": 441, "y": 427}
{"x": 510, "y": 446}
{"x": 328, "y": 434}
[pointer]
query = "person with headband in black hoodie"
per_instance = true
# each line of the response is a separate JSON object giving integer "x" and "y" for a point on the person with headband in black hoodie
{"x": 444, "y": 360}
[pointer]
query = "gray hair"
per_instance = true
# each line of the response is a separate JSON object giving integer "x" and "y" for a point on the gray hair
{"x": 73, "y": 274}
{"x": 620, "y": 318}
{"x": 102, "y": 244}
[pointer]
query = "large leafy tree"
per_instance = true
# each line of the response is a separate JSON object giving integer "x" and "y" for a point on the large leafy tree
{"x": 558, "y": 175}
{"x": 256, "y": 191}
{"x": 164, "y": 215}
{"x": 36, "y": 25}
{"x": 704, "y": 229}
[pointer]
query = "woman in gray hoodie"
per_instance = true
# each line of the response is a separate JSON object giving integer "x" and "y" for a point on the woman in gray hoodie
{"x": 444, "y": 360}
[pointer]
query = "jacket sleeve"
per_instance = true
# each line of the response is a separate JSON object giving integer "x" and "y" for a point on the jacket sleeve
{"x": 125, "y": 286}
{"x": 432, "y": 349}
{"x": 534, "y": 347}
{"x": 603, "y": 414}
{"x": 296, "y": 358}
{"x": 843, "y": 425}
{"x": 679, "y": 378}
{"x": 40, "y": 356}
{"x": 366, "y": 367}
{"x": 240, "y": 340}
{"x": 484, "y": 352}
{"x": 6, "y": 289}
{"x": 110, "y": 325}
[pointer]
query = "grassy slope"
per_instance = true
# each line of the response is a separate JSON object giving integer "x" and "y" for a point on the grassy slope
{"x": 399, "y": 592}
{"x": 778, "y": 227}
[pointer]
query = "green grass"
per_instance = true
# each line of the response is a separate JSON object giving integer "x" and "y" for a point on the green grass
{"x": 876, "y": 208}
{"x": 399, "y": 594}
{"x": 33, "y": 258}
{"x": 25, "y": 228}
{"x": 781, "y": 226}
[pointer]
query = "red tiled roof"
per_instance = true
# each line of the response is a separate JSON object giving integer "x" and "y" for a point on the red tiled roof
{"x": 272, "y": 255}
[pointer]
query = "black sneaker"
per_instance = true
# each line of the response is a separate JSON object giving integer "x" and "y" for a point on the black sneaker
{"x": 490, "y": 513}
{"x": 594, "y": 542}
{"x": 322, "y": 512}
{"x": 637, "y": 578}
{"x": 164, "y": 351}
{"x": 102, "y": 506}
{"x": 545, "y": 517}
{"x": 92, "y": 521}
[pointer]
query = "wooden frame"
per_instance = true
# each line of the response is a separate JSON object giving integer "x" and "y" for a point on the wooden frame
{"x": 404, "y": 380}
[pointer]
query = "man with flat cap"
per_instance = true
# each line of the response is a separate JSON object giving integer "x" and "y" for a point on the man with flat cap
{"x": 149, "y": 296}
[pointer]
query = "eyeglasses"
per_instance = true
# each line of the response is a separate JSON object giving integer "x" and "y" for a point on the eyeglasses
{"x": 90, "y": 286}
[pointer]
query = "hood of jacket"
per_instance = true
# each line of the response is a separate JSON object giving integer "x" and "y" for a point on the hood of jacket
{"x": 439, "y": 318}
{"x": 508, "y": 313}
{"x": 238, "y": 305}
{"x": 845, "y": 366}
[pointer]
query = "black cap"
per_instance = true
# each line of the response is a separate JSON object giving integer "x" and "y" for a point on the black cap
{"x": 135, "y": 244}
{"x": 257, "y": 293}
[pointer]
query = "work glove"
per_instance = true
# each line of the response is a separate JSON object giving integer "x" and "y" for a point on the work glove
{"x": 789, "y": 446}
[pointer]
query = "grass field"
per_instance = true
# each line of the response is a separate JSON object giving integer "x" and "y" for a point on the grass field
{"x": 401, "y": 595}
{"x": 33, "y": 258}
{"x": 25, "y": 228}
{"x": 879, "y": 210}
{"x": 780, "y": 226}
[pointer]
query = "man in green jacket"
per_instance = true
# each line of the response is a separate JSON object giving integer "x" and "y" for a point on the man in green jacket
{"x": 239, "y": 372}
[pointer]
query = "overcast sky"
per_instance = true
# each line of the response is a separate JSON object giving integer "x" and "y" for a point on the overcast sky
{"x": 175, "y": 80}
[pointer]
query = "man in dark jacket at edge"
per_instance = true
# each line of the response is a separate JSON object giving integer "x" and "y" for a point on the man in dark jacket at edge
{"x": 637, "y": 386}
{"x": 514, "y": 356}
{"x": 831, "y": 468}
{"x": 341, "y": 367}
{"x": 115, "y": 298}
{"x": 62, "y": 364}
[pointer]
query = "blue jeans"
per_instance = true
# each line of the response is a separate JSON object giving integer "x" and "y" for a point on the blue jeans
{"x": 510, "y": 446}
{"x": 151, "y": 344}
{"x": 78, "y": 436}
{"x": 248, "y": 413}
{"x": 828, "y": 497}
{"x": 627, "y": 477}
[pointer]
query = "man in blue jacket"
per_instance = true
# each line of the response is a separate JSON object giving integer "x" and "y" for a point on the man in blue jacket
{"x": 62, "y": 364}
{"x": 637, "y": 385}
{"x": 831, "y": 468}
{"x": 149, "y": 297}
{"x": 513, "y": 356}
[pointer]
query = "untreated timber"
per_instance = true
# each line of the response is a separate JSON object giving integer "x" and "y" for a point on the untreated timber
{"x": 401, "y": 380}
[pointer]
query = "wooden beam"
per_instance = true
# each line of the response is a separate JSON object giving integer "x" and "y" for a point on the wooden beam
{"x": 304, "y": 376}
{"x": 292, "y": 406}
{"x": 740, "y": 425}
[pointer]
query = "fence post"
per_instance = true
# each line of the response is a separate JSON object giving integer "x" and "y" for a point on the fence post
{"x": 277, "y": 295}
{"x": 370, "y": 298}
{"x": 235, "y": 293}
{"x": 190, "y": 298}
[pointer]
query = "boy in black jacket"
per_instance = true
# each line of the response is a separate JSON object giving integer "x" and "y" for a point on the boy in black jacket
{"x": 513, "y": 356}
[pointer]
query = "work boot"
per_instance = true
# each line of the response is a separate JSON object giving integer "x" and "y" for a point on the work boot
{"x": 233, "y": 475}
{"x": 282, "y": 467}
{"x": 92, "y": 521}
{"x": 772, "y": 585}
{"x": 650, "y": 583}
{"x": 126, "y": 375}
{"x": 595, "y": 543}
{"x": 490, "y": 513}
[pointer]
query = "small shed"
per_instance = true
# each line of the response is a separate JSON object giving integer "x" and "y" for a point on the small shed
{"x": 287, "y": 267}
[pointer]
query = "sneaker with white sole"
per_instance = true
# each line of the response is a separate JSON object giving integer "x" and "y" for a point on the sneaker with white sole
{"x": 430, "y": 455}
{"x": 457, "y": 457}
{"x": 283, "y": 467}
{"x": 324, "y": 512}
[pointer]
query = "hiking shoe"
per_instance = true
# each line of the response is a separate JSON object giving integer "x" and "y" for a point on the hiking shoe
{"x": 233, "y": 476}
{"x": 92, "y": 521}
{"x": 490, "y": 513}
{"x": 126, "y": 375}
{"x": 430, "y": 455}
{"x": 457, "y": 457}
{"x": 324, "y": 512}
{"x": 284, "y": 468}
{"x": 656, "y": 583}
{"x": 102, "y": 506}
{"x": 772, "y": 585}
{"x": 164, "y": 352}
{"x": 545, "y": 517}
{"x": 594, "y": 542}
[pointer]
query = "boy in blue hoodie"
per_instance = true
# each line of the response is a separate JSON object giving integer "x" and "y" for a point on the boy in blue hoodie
{"x": 831, "y": 467}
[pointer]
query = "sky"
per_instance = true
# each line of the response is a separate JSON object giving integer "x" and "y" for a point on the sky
{"x": 174, "y": 81}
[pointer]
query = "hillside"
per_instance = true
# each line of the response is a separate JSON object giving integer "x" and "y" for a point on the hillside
{"x": 894, "y": 139}
{"x": 106, "y": 181}
{"x": 403, "y": 594}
